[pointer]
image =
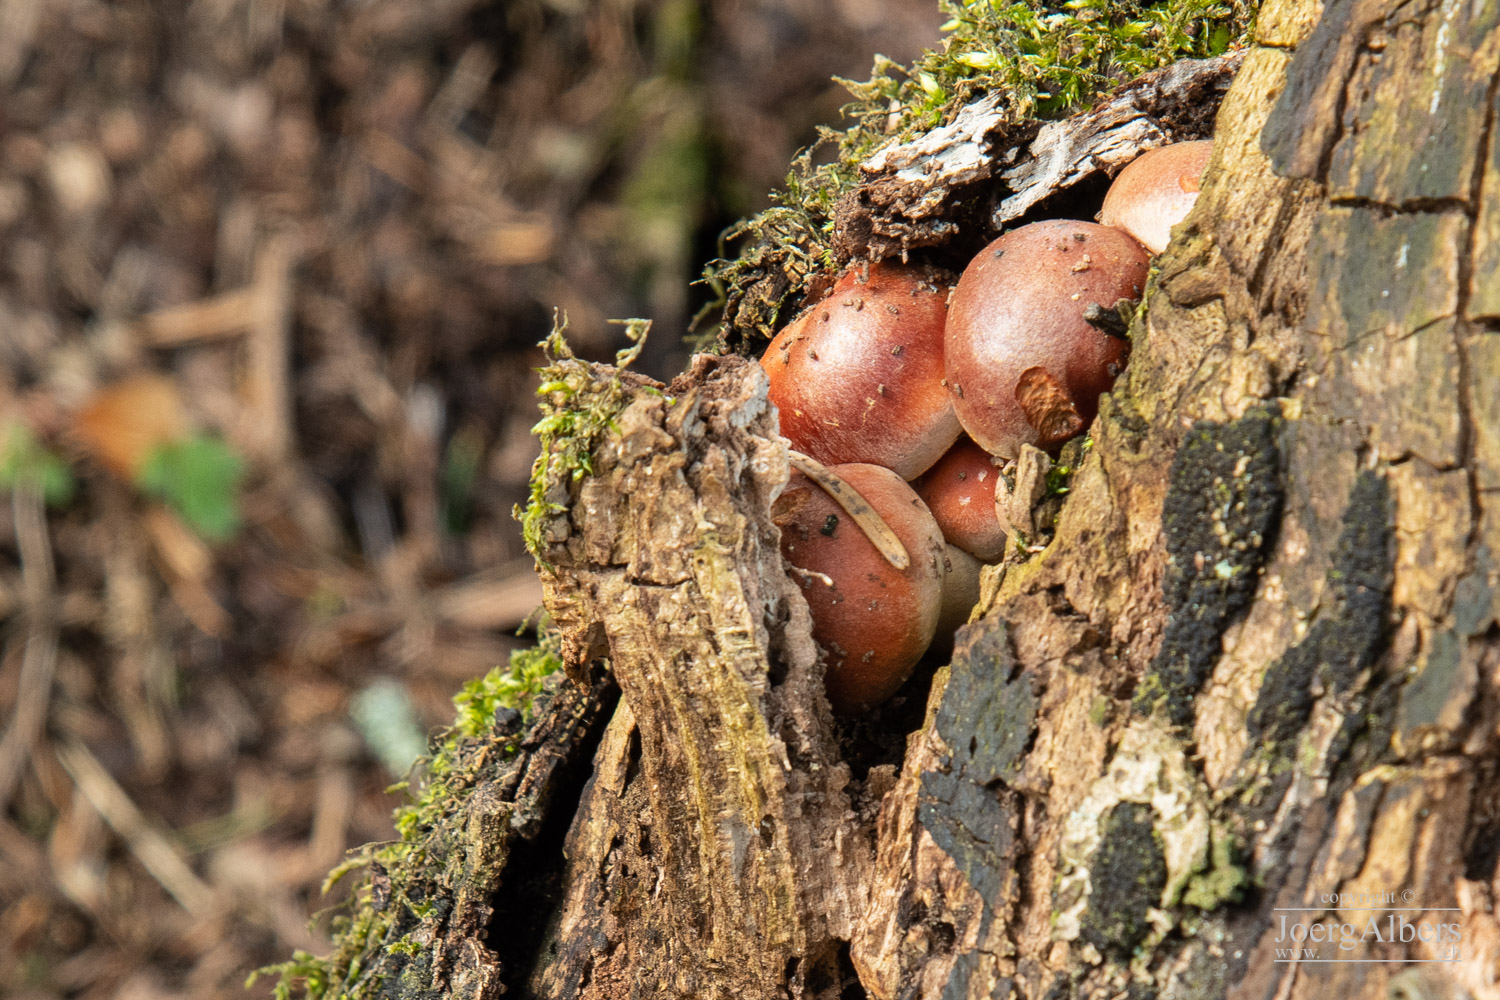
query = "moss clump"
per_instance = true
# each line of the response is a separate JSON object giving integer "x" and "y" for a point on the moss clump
{"x": 578, "y": 407}
{"x": 1047, "y": 59}
{"x": 517, "y": 687}
{"x": 401, "y": 885}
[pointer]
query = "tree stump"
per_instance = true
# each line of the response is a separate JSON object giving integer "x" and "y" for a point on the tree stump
{"x": 1249, "y": 683}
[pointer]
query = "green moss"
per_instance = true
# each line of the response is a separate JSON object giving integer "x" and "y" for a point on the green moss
{"x": 1060, "y": 476}
{"x": 1224, "y": 882}
{"x": 516, "y": 687}
{"x": 578, "y": 406}
{"x": 1046, "y": 59}
{"x": 398, "y": 888}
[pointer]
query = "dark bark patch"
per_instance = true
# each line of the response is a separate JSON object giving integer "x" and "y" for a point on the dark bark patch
{"x": 1304, "y": 124}
{"x": 534, "y": 866}
{"x": 1061, "y": 988}
{"x": 987, "y": 715}
{"x": 1482, "y": 852}
{"x": 976, "y": 829}
{"x": 1349, "y": 630}
{"x": 987, "y": 718}
{"x": 1126, "y": 878}
{"x": 1223, "y": 503}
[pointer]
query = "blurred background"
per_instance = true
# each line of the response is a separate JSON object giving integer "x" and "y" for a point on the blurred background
{"x": 271, "y": 277}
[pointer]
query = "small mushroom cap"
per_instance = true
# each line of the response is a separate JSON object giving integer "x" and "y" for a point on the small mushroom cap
{"x": 960, "y": 591}
{"x": 858, "y": 376}
{"x": 1156, "y": 191}
{"x": 1024, "y": 366}
{"x": 873, "y": 620}
{"x": 960, "y": 492}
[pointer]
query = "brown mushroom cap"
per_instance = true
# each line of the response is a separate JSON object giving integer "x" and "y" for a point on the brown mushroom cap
{"x": 1156, "y": 191}
{"x": 874, "y": 620}
{"x": 1024, "y": 366}
{"x": 960, "y": 492}
{"x": 858, "y": 376}
{"x": 960, "y": 591}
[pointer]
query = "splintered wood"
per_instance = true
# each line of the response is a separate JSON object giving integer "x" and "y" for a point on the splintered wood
{"x": 668, "y": 555}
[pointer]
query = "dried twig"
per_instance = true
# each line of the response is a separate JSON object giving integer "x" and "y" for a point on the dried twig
{"x": 227, "y": 315}
{"x": 153, "y": 850}
{"x": 267, "y": 385}
{"x": 40, "y": 659}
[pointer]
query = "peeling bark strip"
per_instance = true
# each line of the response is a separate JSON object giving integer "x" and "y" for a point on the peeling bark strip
{"x": 921, "y": 193}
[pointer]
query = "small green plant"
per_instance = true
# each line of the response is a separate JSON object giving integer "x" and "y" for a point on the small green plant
{"x": 26, "y": 463}
{"x": 198, "y": 477}
{"x": 517, "y": 686}
{"x": 579, "y": 405}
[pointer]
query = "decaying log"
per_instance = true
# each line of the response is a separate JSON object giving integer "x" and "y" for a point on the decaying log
{"x": 441, "y": 923}
{"x": 1253, "y": 671}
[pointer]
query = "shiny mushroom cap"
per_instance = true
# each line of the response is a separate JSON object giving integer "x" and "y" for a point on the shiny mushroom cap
{"x": 960, "y": 492}
{"x": 1023, "y": 365}
{"x": 857, "y": 377}
{"x": 873, "y": 620}
{"x": 1156, "y": 191}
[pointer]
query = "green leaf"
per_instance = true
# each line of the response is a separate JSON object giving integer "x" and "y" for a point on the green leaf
{"x": 25, "y": 462}
{"x": 199, "y": 478}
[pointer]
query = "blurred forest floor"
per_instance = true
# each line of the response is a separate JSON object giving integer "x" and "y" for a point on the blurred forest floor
{"x": 307, "y": 247}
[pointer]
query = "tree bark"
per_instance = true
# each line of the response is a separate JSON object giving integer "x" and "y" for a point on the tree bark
{"x": 1251, "y": 676}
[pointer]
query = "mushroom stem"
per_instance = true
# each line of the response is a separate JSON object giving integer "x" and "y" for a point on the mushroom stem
{"x": 872, "y": 524}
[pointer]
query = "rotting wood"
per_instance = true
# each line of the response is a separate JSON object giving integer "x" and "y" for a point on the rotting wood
{"x": 453, "y": 927}
{"x": 920, "y": 194}
{"x": 742, "y": 868}
{"x": 1254, "y": 669}
{"x": 706, "y": 869}
{"x": 1338, "y": 720}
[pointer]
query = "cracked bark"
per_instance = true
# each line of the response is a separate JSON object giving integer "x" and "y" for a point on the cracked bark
{"x": 1254, "y": 669}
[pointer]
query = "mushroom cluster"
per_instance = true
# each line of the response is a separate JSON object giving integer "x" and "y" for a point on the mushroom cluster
{"x": 905, "y": 393}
